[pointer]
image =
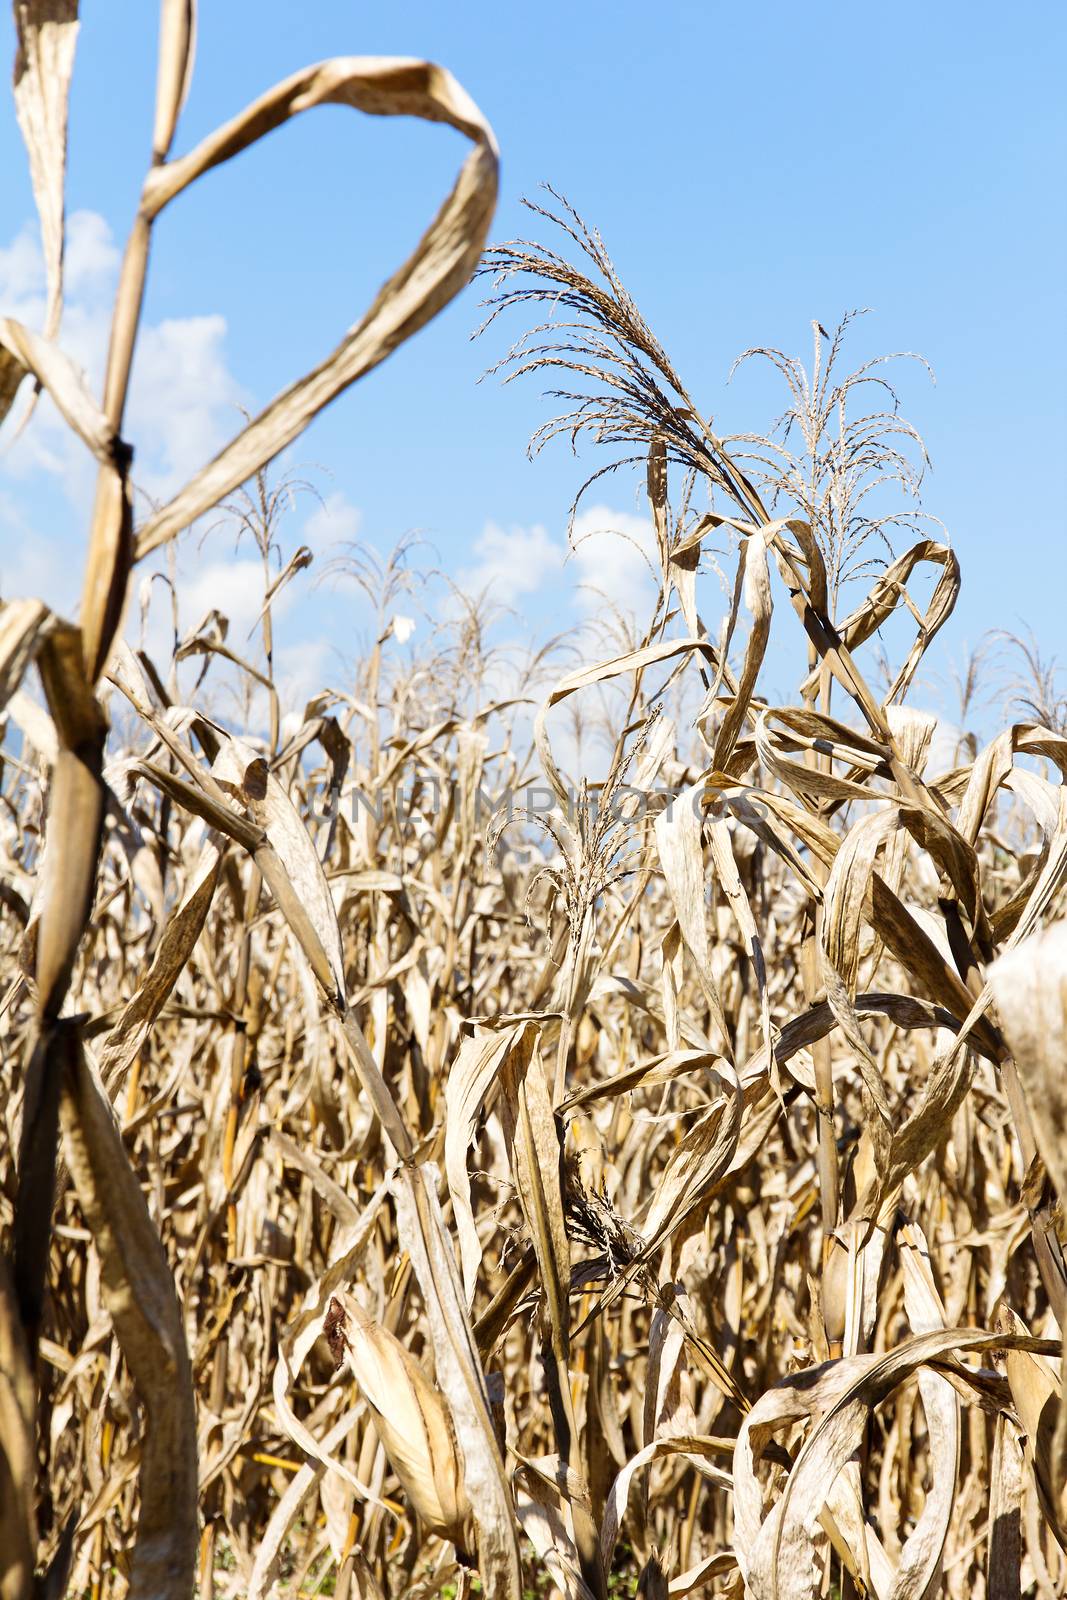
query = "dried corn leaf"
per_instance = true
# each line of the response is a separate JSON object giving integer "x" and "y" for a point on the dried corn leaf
{"x": 23, "y": 352}
{"x": 700, "y": 1452}
{"x": 272, "y": 1548}
{"x": 698, "y": 1163}
{"x": 18, "y": 1522}
{"x": 1004, "y": 1568}
{"x": 296, "y": 1340}
{"x": 776, "y": 1552}
{"x": 410, "y": 1415}
{"x": 1036, "y": 1394}
{"x": 440, "y": 266}
{"x": 75, "y": 816}
{"x": 919, "y": 1570}
{"x": 471, "y": 1079}
{"x": 1029, "y": 985}
{"x": 754, "y": 583}
{"x": 459, "y": 1373}
{"x": 543, "y": 1518}
{"x": 679, "y": 832}
{"x": 22, "y": 623}
{"x": 633, "y": 661}
{"x": 722, "y": 855}
{"x": 247, "y": 776}
{"x": 889, "y": 592}
{"x": 47, "y": 32}
{"x": 138, "y": 1291}
{"x": 177, "y": 51}
{"x": 533, "y": 1146}
{"x": 182, "y": 930}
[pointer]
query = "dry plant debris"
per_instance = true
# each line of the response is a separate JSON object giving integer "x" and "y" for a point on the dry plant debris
{"x": 661, "y": 1194}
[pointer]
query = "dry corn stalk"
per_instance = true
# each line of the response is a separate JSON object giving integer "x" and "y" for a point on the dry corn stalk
{"x": 747, "y": 1157}
{"x": 72, "y": 661}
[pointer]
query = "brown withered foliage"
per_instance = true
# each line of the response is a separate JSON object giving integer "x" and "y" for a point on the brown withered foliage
{"x": 659, "y": 1191}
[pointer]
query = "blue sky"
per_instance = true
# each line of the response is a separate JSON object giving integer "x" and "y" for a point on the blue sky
{"x": 750, "y": 167}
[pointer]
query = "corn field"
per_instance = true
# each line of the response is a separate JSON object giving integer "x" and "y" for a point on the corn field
{"x": 409, "y": 1188}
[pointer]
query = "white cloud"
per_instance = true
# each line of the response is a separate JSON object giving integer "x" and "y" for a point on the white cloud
{"x": 183, "y": 398}
{"x": 184, "y": 401}
{"x": 48, "y": 446}
{"x": 612, "y": 552}
{"x": 303, "y": 671}
{"x": 335, "y": 521}
{"x": 607, "y": 561}
{"x": 31, "y": 564}
{"x": 90, "y": 266}
{"x": 184, "y": 405}
{"x": 22, "y": 280}
{"x": 234, "y": 586}
{"x": 513, "y": 562}
{"x": 91, "y": 262}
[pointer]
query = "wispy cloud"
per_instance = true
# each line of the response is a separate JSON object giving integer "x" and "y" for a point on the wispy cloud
{"x": 614, "y": 554}
{"x": 609, "y": 561}
{"x": 184, "y": 400}
{"x": 336, "y": 521}
{"x": 513, "y": 562}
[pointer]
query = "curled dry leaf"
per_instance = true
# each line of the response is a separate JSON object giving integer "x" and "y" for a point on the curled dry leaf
{"x": 701, "y": 1452}
{"x": 440, "y": 266}
{"x": 22, "y": 623}
{"x": 177, "y": 51}
{"x": 182, "y": 930}
{"x": 604, "y": 672}
{"x": 47, "y": 32}
{"x": 138, "y": 1291}
{"x": 18, "y": 1521}
{"x": 1029, "y": 985}
{"x": 885, "y": 598}
{"x": 23, "y": 352}
{"x": 75, "y": 815}
{"x": 777, "y": 1551}
{"x": 410, "y": 1414}
{"x": 421, "y": 1229}
{"x": 472, "y": 1078}
{"x": 302, "y": 883}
